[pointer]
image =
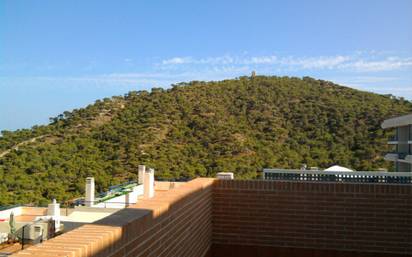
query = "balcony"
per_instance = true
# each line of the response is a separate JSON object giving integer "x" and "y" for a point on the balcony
{"x": 391, "y": 157}
{"x": 338, "y": 177}
{"x": 404, "y": 157}
{"x": 393, "y": 140}
{"x": 408, "y": 158}
{"x": 399, "y": 157}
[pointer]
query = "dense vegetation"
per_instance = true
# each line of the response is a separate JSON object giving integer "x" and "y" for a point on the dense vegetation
{"x": 198, "y": 129}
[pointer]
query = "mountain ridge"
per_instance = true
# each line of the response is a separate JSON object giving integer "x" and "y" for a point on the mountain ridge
{"x": 198, "y": 129}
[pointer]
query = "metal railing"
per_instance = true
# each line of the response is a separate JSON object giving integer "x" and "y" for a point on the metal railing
{"x": 108, "y": 204}
{"x": 341, "y": 177}
{"x": 6, "y": 207}
{"x": 392, "y": 138}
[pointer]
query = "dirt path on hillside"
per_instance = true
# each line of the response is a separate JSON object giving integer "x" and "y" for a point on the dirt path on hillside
{"x": 16, "y": 147}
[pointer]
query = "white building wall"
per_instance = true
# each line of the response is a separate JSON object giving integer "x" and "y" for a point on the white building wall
{"x": 17, "y": 211}
{"x": 121, "y": 201}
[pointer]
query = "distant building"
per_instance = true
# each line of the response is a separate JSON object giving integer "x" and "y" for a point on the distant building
{"x": 402, "y": 142}
{"x": 338, "y": 168}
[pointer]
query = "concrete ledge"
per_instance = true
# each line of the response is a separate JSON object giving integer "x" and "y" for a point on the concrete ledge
{"x": 109, "y": 236}
{"x": 400, "y": 121}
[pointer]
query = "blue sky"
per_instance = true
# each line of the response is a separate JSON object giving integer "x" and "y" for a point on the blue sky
{"x": 60, "y": 55}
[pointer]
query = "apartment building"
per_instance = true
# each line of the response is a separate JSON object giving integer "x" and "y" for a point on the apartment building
{"x": 401, "y": 141}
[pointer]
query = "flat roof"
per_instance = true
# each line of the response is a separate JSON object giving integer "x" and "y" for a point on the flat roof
{"x": 399, "y": 121}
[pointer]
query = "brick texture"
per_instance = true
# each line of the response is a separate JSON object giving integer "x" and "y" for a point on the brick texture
{"x": 173, "y": 223}
{"x": 312, "y": 215}
{"x": 207, "y": 217}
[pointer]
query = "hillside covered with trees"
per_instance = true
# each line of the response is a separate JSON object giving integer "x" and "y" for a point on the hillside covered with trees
{"x": 197, "y": 129}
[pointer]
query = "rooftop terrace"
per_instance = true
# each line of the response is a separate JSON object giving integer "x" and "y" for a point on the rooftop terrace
{"x": 209, "y": 217}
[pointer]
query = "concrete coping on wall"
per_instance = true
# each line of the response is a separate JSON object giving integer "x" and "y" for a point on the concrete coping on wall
{"x": 112, "y": 235}
{"x": 104, "y": 237}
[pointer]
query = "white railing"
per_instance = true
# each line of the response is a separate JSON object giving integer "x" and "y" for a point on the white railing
{"x": 333, "y": 176}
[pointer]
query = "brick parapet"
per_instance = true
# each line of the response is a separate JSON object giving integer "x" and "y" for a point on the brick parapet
{"x": 314, "y": 215}
{"x": 254, "y": 214}
{"x": 173, "y": 223}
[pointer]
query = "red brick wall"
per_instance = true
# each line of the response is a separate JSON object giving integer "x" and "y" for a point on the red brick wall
{"x": 173, "y": 223}
{"x": 312, "y": 215}
{"x": 207, "y": 217}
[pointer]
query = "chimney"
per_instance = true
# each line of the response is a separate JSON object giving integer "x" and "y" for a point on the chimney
{"x": 225, "y": 175}
{"x": 142, "y": 169}
{"x": 89, "y": 201}
{"x": 53, "y": 209}
{"x": 148, "y": 184}
{"x": 127, "y": 200}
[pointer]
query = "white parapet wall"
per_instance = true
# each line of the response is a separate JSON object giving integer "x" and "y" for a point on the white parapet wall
{"x": 122, "y": 201}
{"x": 134, "y": 195}
{"x": 5, "y": 215}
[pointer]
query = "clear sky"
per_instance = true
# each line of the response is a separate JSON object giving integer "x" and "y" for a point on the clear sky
{"x": 60, "y": 55}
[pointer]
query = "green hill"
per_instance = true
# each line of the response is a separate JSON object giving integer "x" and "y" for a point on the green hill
{"x": 197, "y": 129}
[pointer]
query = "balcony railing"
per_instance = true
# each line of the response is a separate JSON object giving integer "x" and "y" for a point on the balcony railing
{"x": 340, "y": 177}
{"x": 392, "y": 138}
{"x": 400, "y": 156}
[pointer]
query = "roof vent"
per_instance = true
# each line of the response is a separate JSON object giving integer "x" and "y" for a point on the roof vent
{"x": 225, "y": 175}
